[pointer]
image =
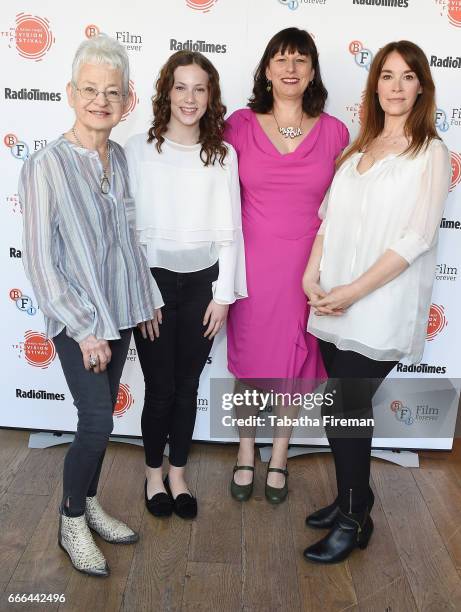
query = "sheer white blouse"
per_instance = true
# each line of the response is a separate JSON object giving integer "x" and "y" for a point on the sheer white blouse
{"x": 188, "y": 216}
{"x": 397, "y": 204}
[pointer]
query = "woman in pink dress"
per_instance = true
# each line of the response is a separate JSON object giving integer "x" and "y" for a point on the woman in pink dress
{"x": 287, "y": 147}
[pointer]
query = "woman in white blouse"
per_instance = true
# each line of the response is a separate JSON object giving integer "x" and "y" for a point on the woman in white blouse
{"x": 371, "y": 271}
{"x": 185, "y": 182}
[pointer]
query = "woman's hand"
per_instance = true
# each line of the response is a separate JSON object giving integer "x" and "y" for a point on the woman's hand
{"x": 215, "y": 317}
{"x": 151, "y": 328}
{"x": 98, "y": 350}
{"x": 313, "y": 290}
{"x": 337, "y": 300}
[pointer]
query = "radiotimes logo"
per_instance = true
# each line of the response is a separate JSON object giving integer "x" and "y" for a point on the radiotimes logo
{"x": 449, "y": 61}
{"x": 34, "y": 94}
{"x": 37, "y": 350}
{"x": 32, "y": 36}
{"x": 39, "y": 394}
{"x": 24, "y": 303}
{"x": 437, "y": 321}
{"x": 133, "y": 101}
{"x": 199, "y": 45}
{"x": 420, "y": 413}
{"x": 124, "y": 400}
{"x": 19, "y": 149}
{"x": 391, "y": 3}
{"x": 452, "y": 10}
{"x": 131, "y": 42}
{"x": 362, "y": 56}
{"x": 421, "y": 368}
{"x": 204, "y": 6}
{"x": 455, "y": 170}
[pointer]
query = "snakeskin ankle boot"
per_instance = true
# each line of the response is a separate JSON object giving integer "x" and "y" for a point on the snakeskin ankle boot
{"x": 109, "y": 528}
{"x": 76, "y": 540}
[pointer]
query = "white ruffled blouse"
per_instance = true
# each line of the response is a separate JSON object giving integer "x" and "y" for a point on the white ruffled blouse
{"x": 188, "y": 215}
{"x": 397, "y": 204}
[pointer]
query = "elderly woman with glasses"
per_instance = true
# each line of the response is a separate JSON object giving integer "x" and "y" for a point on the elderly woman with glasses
{"x": 90, "y": 278}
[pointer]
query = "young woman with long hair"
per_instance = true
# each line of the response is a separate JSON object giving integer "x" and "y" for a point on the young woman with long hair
{"x": 184, "y": 178}
{"x": 371, "y": 270}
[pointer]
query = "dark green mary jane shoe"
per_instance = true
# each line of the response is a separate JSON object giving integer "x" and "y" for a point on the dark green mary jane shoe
{"x": 276, "y": 495}
{"x": 241, "y": 492}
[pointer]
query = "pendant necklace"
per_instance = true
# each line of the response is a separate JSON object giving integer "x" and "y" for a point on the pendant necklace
{"x": 104, "y": 183}
{"x": 290, "y": 131}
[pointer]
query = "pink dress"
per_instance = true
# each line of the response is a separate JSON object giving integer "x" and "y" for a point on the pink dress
{"x": 281, "y": 195}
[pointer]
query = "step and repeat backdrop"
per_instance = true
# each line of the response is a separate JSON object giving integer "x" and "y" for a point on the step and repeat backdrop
{"x": 37, "y": 43}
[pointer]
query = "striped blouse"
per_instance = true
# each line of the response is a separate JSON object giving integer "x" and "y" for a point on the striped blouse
{"x": 80, "y": 249}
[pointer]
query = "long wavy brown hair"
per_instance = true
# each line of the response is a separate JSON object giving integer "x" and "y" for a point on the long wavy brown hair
{"x": 420, "y": 124}
{"x": 291, "y": 40}
{"x": 211, "y": 124}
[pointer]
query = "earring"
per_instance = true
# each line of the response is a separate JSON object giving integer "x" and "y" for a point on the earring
{"x": 269, "y": 85}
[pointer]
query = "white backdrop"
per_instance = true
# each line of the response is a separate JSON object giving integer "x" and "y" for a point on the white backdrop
{"x": 37, "y": 43}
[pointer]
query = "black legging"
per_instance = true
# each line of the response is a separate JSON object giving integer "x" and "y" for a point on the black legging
{"x": 94, "y": 397}
{"x": 172, "y": 364}
{"x": 356, "y": 379}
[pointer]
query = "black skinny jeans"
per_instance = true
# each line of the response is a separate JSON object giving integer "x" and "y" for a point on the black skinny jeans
{"x": 94, "y": 397}
{"x": 172, "y": 364}
{"x": 355, "y": 379}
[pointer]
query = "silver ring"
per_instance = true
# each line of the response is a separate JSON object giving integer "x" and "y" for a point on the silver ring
{"x": 93, "y": 361}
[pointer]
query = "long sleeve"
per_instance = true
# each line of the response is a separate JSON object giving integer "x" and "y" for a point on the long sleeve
{"x": 133, "y": 164}
{"x": 421, "y": 231}
{"x": 231, "y": 282}
{"x": 57, "y": 298}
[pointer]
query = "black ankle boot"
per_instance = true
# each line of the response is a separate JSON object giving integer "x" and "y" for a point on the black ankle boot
{"x": 349, "y": 531}
{"x": 325, "y": 517}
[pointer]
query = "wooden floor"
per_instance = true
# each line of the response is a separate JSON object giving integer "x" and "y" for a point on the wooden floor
{"x": 234, "y": 556}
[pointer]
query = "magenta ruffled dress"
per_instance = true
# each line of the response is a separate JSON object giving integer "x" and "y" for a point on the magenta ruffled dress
{"x": 281, "y": 195}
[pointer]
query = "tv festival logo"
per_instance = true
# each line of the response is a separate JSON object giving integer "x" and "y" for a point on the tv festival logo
{"x": 455, "y": 170}
{"x": 133, "y": 101}
{"x": 422, "y": 413}
{"x": 363, "y": 56}
{"x": 33, "y": 36}
{"x": 19, "y": 149}
{"x": 437, "y": 321}
{"x": 452, "y": 10}
{"x": 38, "y": 351}
{"x": 356, "y": 110}
{"x": 204, "y": 6}
{"x": 12, "y": 201}
{"x": 24, "y": 303}
{"x": 124, "y": 401}
{"x": 131, "y": 42}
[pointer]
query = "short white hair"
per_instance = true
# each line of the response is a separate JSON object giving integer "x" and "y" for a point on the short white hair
{"x": 102, "y": 49}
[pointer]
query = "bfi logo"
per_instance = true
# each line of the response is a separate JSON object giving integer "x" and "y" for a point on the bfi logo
{"x": 20, "y": 149}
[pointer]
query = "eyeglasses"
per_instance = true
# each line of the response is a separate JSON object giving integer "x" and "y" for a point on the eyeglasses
{"x": 91, "y": 93}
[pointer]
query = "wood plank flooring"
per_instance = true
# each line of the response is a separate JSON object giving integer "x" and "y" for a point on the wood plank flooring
{"x": 234, "y": 557}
